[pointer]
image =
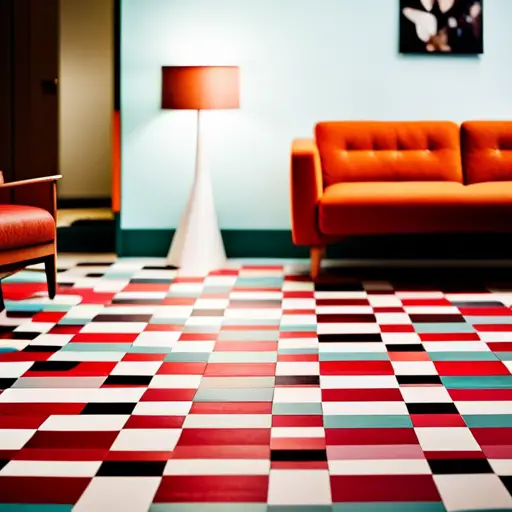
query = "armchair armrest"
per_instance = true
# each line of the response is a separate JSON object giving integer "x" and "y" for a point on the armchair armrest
{"x": 39, "y": 192}
{"x": 306, "y": 192}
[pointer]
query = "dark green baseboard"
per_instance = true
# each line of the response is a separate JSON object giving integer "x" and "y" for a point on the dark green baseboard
{"x": 260, "y": 243}
{"x": 278, "y": 244}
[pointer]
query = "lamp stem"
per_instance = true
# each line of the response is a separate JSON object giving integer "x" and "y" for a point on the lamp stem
{"x": 199, "y": 149}
{"x": 197, "y": 246}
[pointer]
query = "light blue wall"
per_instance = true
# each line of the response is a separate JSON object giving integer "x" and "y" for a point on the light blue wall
{"x": 301, "y": 61}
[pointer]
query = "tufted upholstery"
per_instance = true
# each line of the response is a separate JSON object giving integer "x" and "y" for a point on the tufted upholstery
{"x": 352, "y": 151}
{"x": 487, "y": 151}
{"x": 24, "y": 226}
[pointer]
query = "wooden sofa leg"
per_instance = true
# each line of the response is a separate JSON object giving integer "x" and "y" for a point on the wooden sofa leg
{"x": 317, "y": 254}
{"x": 50, "y": 268}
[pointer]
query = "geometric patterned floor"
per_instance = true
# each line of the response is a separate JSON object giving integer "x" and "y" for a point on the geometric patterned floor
{"x": 255, "y": 390}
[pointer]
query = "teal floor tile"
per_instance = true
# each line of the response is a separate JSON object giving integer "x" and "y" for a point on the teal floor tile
{"x": 486, "y": 382}
{"x": 297, "y": 409}
{"x": 488, "y": 420}
{"x": 368, "y": 421}
{"x": 454, "y": 327}
{"x": 504, "y": 356}
{"x": 24, "y": 306}
{"x": 57, "y": 308}
{"x": 259, "y": 282}
{"x": 295, "y": 351}
{"x": 96, "y": 347}
{"x": 136, "y": 349}
{"x": 299, "y": 508}
{"x": 298, "y": 328}
{"x": 389, "y": 507}
{"x": 208, "y": 507}
{"x": 217, "y": 290}
{"x": 67, "y": 320}
{"x": 489, "y": 320}
{"x": 462, "y": 356}
{"x": 188, "y": 357}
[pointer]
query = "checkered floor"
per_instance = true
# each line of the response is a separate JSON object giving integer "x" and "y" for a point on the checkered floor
{"x": 255, "y": 390}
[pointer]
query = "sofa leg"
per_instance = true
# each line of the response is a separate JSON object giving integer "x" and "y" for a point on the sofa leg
{"x": 317, "y": 254}
{"x": 2, "y": 303}
{"x": 50, "y": 268}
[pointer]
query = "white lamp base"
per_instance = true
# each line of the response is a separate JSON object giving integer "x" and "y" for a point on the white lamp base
{"x": 197, "y": 246}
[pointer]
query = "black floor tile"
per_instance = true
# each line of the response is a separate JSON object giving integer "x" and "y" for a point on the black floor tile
{"x": 109, "y": 408}
{"x": 131, "y": 468}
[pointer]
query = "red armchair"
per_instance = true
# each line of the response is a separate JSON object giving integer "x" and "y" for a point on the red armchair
{"x": 28, "y": 228}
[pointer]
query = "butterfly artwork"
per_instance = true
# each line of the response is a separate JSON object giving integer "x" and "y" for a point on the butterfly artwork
{"x": 441, "y": 26}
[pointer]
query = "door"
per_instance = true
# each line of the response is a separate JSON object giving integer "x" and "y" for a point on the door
{"x": 35, "y": 80}
{"x": 29, "y": 46}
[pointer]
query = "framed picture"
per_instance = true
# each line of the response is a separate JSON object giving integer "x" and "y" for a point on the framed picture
{"x": 441, "y": 26}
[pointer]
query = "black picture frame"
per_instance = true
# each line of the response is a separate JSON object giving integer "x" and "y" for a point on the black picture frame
{"x": 458, "y": 33}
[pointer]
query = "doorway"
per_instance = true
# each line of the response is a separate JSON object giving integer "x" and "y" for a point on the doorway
{"x": 29, "y": 134}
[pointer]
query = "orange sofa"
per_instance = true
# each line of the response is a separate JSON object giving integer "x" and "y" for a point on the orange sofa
{"x": 379, "y": 178}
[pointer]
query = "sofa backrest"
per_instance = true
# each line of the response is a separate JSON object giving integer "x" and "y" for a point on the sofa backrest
{"x": 487, "y": 151}
{"x": 389, "y": 151}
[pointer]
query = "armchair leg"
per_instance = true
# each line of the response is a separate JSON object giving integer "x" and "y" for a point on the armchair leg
{"x": 2, "y": 303}
{"x": 50, "y": 268}
{"x": 317, "y": 254}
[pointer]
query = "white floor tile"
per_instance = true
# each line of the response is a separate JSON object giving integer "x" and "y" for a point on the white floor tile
{"x": 297, "y": 395}
{"x": 348, "y": 328}
{"x": 106, "y": 494}
{"x": 162, "y": 408}
{"x": 424, "y": 394}
{"x": 13, "y": 370}
{"x": 299, "y": 487}
{"x": 175, "y": 382}
{"x": 114, "y": 327}
{"x": 141, "y": 439}
{"x": 358, "y": 382}
{"x": 446, "y": 439}
{"x": 473, "y": 492}
{"x": 157, "y": 339}
{"x": 364, "y": 408}
{"x": 297, "y": 432}
{"x": 14, "y": 439}
{"x": 414, "y": 368}
{"x": 53, "y": 468}
{"x": 136, "y": 368}
{"x": 297, "y": 368}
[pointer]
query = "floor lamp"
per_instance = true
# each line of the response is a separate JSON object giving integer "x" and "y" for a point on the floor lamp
{"x": 197, "y": 246}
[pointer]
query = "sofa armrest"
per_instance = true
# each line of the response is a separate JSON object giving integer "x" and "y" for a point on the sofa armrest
{"x": 39, "y": 192}
{"x": 306, "y": 190}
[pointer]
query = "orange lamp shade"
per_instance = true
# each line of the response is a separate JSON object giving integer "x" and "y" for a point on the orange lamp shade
{"x": 200, "y": 87}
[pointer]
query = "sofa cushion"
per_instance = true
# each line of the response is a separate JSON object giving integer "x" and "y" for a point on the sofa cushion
{"x": 352, "y": 151}
{"x": 487, "y": 151}
{"x": 24, "y": 226}
{"x": 415, "y": 207}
